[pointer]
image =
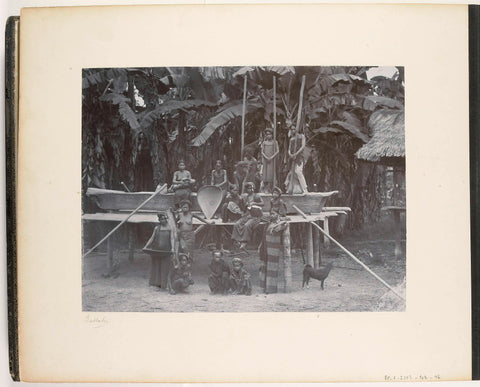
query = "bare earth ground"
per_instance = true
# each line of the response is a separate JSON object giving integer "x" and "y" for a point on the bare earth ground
{"x": 348, "y": 288}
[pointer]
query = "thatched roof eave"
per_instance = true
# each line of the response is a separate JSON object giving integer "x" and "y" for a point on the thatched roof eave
{"x": 388, "y": 140}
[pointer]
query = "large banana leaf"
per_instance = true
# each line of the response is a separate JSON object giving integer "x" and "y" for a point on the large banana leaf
{"x": 371, "y": 102}
{"x": 124, "y": 108}
{"x": 352, "y": 129}
{"x": 224, "y": 116}
{"x": 94, "y": 76}
{"x": 280, "y": 70}
{"x": 171, "y": 106}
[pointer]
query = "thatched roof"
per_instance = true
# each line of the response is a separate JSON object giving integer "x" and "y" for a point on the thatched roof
{"x": 388, "y": 140}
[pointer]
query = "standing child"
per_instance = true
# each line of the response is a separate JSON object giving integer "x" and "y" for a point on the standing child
{"x": 185, "y": 228}
{"x": 240, "y": 279}
{"x": 218, "y": 279}
{"x": 269, "y": 150}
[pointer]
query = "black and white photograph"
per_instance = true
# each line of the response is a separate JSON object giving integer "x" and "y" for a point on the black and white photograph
{"x": 243, "y": 189}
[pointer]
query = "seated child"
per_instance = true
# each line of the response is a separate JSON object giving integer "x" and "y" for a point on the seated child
{"x": 179, "y": 277}
{"x": 218, "y": 279}
{"x": 239, "y": 278}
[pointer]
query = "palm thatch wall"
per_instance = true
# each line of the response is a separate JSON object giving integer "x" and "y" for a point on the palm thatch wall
{"x": 388, "y": 141}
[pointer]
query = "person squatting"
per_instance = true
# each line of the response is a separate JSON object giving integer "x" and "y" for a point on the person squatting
{"x": 171, "y": 245}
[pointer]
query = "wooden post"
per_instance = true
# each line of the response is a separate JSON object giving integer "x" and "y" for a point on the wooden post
{"x": 326, "y": 227}
{"x": 243, "y": 114}
{"x": 310, "y": 259}
{"x": 316, "y": 248}
{"x": 110, "y": 253}
{"x": 398, "y": 233}
{"x": 131, "y": 242}
{"x": 287, "y": 258}
{"x": 274, "y": 127}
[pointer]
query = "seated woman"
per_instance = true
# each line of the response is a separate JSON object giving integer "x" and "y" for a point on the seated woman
{"x": 180, "y": 277}
{"x": 182, "y": 183}
{"x": 232, "y": 209}
{"x": 277, "y": 204}
{"x": 160, "y": 248}
{"x": 240, "y": 175}
{"x": 243, "y": 228}
{"x": 240, "y": 278}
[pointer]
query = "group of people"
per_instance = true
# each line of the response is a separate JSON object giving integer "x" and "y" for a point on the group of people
{"x": 251, "y": 171}
{"x": 173, "y": 271}
{"x": 242, "y": 206}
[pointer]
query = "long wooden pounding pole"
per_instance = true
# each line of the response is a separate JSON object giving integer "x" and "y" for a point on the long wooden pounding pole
{"x": 349, "y": 253}
{"x": 243, "y": 113}
{"x": 274, "y": 128}
{"x": 122, "y": 222}
{"x": 297, "y": 128}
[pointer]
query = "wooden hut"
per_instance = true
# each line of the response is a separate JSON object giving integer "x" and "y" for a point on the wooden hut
{"x": 387, "y": 147}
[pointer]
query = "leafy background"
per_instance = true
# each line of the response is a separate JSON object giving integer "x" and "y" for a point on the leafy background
{"x": 194, "y": 113}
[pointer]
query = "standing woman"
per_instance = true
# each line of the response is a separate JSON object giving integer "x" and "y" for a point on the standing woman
{"x": 160, "y": 248}
{"x": 269, "y": 150}
{"x": 219, "y": 177}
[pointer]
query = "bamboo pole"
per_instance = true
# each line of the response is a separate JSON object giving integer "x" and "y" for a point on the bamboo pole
{"x": 300, "y": 105}
{"x": 297, "y": 128}
{"x": 274, "y": 128}
{"x": 348, "y": 253}
{"x": 121, "y": 223}
{"x": 243, "y": 113}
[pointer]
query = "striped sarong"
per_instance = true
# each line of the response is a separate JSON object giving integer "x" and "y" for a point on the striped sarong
{"x": 274, "y": 253}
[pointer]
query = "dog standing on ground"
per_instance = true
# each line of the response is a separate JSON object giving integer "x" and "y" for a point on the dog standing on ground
{"x": 320, "y": 274}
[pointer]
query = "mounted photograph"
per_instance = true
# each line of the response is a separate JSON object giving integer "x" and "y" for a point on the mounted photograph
{"x": 243, "y": 189}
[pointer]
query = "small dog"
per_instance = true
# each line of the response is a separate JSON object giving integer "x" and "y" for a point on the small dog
{"x": 320, "y": 274}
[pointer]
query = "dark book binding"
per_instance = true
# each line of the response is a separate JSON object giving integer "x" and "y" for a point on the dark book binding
{"x": 11, "y": 131}
{"x": 474, "y": 61}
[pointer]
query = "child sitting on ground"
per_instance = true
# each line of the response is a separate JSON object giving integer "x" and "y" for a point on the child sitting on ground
{"x": 179, "y": 277}
{"x": 240, "y": 279}
{"x": 218, "y": 279}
